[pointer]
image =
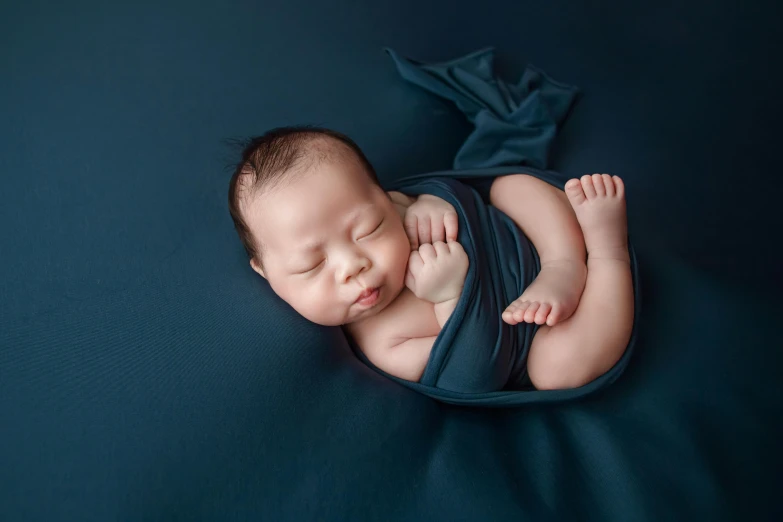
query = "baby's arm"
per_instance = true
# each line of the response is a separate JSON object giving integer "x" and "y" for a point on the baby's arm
{"x": 400, "y": 341}
{"x": 435, "y": 277}
{"x": 408, "y": 359}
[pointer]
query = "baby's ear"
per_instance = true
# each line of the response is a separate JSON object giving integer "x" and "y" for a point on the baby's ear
{"x": 254, "y": 264}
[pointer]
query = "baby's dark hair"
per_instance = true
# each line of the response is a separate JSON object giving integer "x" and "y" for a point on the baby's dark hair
{"x": 280, "y": 155}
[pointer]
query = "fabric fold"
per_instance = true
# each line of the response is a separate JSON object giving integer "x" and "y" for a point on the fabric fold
{"x": 515, "y": 124}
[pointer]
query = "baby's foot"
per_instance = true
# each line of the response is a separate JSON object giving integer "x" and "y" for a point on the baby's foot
{"x": 599, "y": 203}
{"x": 552, "y": 297}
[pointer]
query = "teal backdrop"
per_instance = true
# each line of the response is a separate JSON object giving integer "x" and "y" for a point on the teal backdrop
{"x": 146, "y": 373}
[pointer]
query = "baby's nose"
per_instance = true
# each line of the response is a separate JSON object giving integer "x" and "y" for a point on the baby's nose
{"x": 355, "y": 266}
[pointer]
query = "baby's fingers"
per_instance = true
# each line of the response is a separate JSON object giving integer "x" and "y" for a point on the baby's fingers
{"x": 441, "y": 249}
{"x": 412, "y": 230}
{"x": 427, "y": 252}
{"x": 410, "y": 281}
{"x": 438, "y": 231}
{"x": 425, "y": 235}
{"x": 451, "y": 223}
{"x": 455, "y": 247}
{"x": 415, "y": 262}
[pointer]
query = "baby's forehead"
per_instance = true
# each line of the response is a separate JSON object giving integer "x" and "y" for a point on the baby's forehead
{"x": 305, "y": 207}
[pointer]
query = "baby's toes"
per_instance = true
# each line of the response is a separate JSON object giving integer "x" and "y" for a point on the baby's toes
{"x": 515, "y": 311}
{"x": 554, "y": 316}
{"x": 530, "y": 313}
{"x": 508, "y": 318}
{"x": 543, "y": 313}
{"x": 520, "y": 309}
{"x": 573, "y": 190}
{"x": 598, "y": 184}
{"x": 608, "y": 184}
{"x": 587, "y": 186}
{"x": 619, "y": 186}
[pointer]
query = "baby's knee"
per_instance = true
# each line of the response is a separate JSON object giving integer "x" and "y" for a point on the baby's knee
{"x": 508, "y": 185}
{"x": 554, "y": 378}
{"x": 557, "y": 369}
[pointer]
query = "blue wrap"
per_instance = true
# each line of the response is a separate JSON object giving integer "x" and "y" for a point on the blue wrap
{"x": 477, "y": 358}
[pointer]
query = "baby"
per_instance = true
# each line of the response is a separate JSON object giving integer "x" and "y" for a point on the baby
{"x": 340, "y": 250}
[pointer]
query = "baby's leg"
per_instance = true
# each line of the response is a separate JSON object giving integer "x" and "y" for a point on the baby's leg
{"x": 548, "y": 220}
{"x": 588, "y": 344}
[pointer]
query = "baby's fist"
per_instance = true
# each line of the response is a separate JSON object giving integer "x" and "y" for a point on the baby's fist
{"x": 436, "y": 272}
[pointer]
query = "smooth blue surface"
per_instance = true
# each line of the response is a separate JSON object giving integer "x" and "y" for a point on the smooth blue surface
{"x": 146, "y": 373}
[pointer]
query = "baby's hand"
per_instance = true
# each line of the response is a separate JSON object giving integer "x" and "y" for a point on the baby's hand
{"x": 436, "y": 273}
{"x": 430, "y": 219}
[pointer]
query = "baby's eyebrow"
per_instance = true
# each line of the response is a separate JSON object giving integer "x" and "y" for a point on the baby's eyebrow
{"x": 315, "y": 245}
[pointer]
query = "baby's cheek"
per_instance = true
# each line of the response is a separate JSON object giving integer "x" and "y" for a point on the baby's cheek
{"x": 309, "y": 303}
{"x": 398, "y": 254}
{"x": 313, "y": 298}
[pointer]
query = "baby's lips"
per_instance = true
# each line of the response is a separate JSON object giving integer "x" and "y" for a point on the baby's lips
{"x": 366, "y": 293}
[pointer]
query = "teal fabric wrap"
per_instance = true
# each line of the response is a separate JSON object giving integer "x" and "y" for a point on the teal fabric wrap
{"x": 477, "y": 358}
{"x": 515, "y": 124}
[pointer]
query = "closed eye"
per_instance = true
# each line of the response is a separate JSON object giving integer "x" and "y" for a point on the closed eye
{"x": 310, "y": 269}
{"x": 374, "y": 230}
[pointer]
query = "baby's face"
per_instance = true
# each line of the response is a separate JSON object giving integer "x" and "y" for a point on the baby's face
{"x": 329, "y": 236}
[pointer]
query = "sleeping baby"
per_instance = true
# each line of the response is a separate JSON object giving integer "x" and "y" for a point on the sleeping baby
{"x": 340, "y": 250}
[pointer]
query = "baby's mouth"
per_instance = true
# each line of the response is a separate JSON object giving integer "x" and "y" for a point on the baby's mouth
{"x": 369, "y": 297}
{"x": 366, "y": 293}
